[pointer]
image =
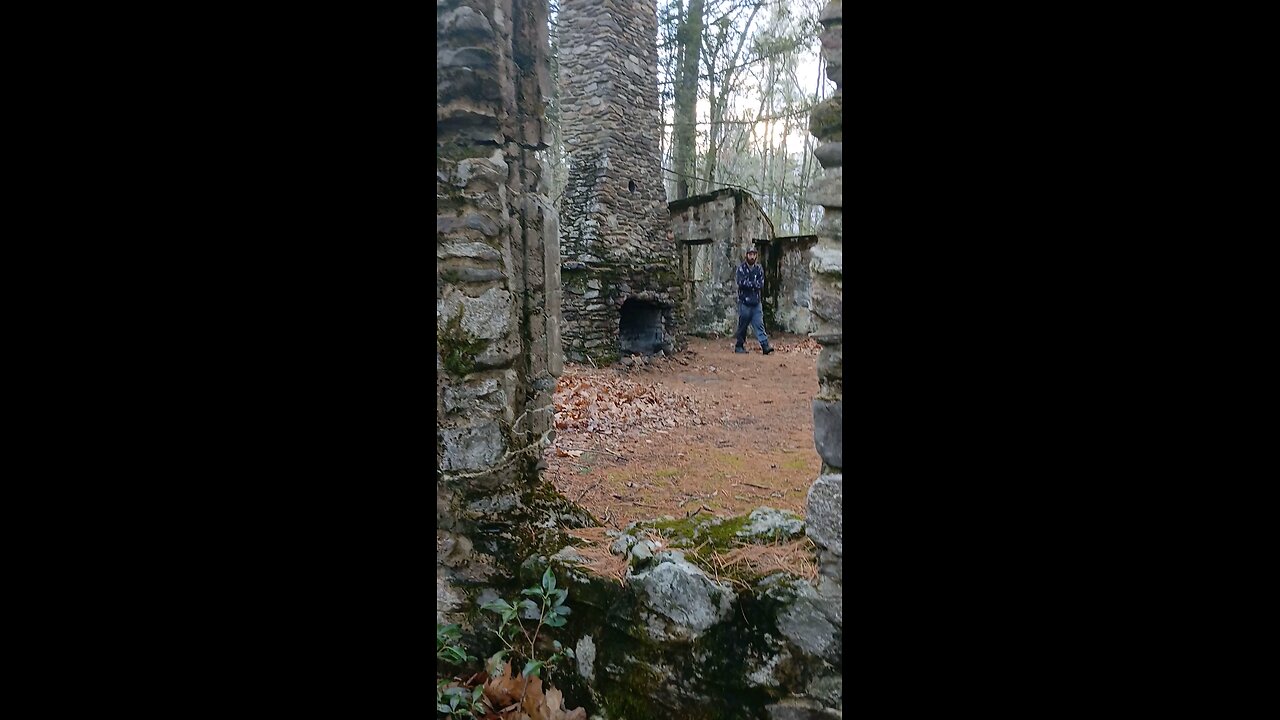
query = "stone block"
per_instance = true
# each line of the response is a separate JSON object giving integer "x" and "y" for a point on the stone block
{"x": 453, "y": 249}
{"x": 801, "y": 709}
{"x": 828, "y": 430}
{"x": 487, "y": 317}
{"x": 826, "y": 300}
{"x": 806, "y": 625}
{"x": 827, "y": 260}
{"x": 828, "y": 189}
{"x": 825, "y": 119}
{"x": 471, "y": 448}
{"x": 832, "y": 13}
{"x": 687, "y": 602}
{"x": 824, "y": 515}
{"x": 830, "y": 361}
{"x": 830, "y": 154}
{"x": 464, "y": 22}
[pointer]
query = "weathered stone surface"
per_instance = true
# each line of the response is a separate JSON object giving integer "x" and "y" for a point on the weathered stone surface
{"x": 766, "y": 522}
{"x": 806, "y": 624}
{"x": 487, "y": 317}
{"x": 827, "y": 301}
{"x": 801, "y": 709}
{"x": 824, "y": 515}
{"x": 685, "y": 599}
{"x": 477, "y": 250}
{"x": 830, "y": 361}
{"x": 825, "y": 119}
{"x": 827, "y": 260}
{"x": 828, "y": 690}
{"x": 447, "y": 599}
{"x": 482, "y": 395}
{"x": 833, "y": 12}
{"x": 828, "y": 188}
{"x": 828, "y": 427}
{"x": 830, "y": 154}
{"x": 471, "y": 448}
{"x": 585, "y": 653}
{"x": 462, "y": 21}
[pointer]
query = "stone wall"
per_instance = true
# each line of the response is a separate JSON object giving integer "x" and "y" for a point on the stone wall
{"x": 613, "y": 214}
{"x": 790, "y": 284}
{"x": 497, "y": 290}
{"x": 824, "y": 516}
{"x": 733, "y": 222}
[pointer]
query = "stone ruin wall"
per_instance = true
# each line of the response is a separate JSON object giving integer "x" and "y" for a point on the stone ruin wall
{"x": 613, "y": 216}
{"x": 793, "y": 284}
{"x": 701, "y": 647}
{"x": 497, "y": 293}
{"x": 823, "y": 513}
{"x": 733, "y": 220}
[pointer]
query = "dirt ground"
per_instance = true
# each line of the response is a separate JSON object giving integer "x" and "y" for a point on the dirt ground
{"x": 705, "y": 431}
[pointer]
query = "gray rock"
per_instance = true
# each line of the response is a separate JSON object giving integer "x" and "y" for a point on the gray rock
{"x": 824, "y": 515}
{"x": 827, "y": 260}
{"x": 585, "y": 652}
{"x": 448, "y": 600}
{"x": 485, "y": 395}
{"x": 476, "y": 250}
{"x": 766, "y": 522}
{"x": 487, "y": 596}
{"x": 806, "y": 625}
{"x": 685, "y": 597}
{"x": 800, "y": 709}
{"x": 622, "y": 545}
{"x": 643, "y": 550}
{"x": 828, "y": 430}
{"x": 828, "y": 690}
{"x": 830, "y": 154}
{"x": 487, "y": 317}
{"x": 826, "y": 190}
{"x": 830, "y": 361}
{"x": 475, "y": 275}
{"x": 471, "y": 448}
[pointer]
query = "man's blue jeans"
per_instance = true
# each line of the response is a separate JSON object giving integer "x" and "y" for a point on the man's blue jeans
{"x": 751, "y": 315}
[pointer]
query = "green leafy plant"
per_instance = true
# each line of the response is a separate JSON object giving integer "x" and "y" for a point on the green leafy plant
{"x": 545, "y": 604}
{"x": 449, "y": 646}
{"x": 456, "y": 701}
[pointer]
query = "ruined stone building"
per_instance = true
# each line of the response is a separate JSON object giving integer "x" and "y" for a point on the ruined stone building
{"x": 672, "y": 641}
{"x": 714, "y": 232}
{"x": 789, "y": 284}
{"x": 622, "y": 289}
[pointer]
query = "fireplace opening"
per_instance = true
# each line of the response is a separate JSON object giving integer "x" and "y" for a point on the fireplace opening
{"x": 640, "y": 328}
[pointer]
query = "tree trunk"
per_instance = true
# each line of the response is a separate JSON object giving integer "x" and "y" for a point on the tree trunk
{"x": 685, "y": 138}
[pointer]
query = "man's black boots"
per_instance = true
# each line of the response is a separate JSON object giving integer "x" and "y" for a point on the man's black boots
{"x": 767, "y": 349}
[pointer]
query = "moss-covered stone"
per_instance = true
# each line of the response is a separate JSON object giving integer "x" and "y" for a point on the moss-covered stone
{"x": 825, "y": 120}
{"x": 458, "y": 349}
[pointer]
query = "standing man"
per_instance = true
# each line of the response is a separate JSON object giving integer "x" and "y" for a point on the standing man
{"x": 750, "y": 285}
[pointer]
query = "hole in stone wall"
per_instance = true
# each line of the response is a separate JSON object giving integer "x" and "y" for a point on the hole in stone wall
{"x": 631, "y": 185}
{"x": 640, "y": 328}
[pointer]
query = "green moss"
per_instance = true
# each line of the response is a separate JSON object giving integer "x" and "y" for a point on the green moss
{"x": 694, "y": 531}
{"x": 458, "y": 349}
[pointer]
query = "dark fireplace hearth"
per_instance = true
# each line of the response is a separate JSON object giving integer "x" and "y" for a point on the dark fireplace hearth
{"x": 640, "y": 328}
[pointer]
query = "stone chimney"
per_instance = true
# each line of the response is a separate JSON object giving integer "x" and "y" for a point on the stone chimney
{"x": 621, "y": 277}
